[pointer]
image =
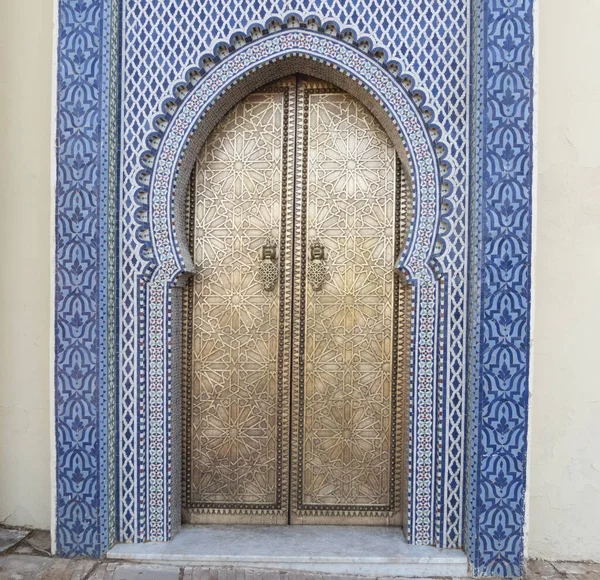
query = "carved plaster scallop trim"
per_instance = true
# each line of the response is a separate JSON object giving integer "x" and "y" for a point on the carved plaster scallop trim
{"x": 238, "y": 40}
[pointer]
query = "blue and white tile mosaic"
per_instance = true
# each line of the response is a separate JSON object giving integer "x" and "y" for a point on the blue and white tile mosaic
{"x": 85, "y": 311}
{"x": 166, "y": 160}
{"x": 437, "y": 44}
{"x": 162, "y": 42}
{"x": 500, "y": 285}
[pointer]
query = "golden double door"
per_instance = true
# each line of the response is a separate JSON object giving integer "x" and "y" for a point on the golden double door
{"x": 295, "y": 322}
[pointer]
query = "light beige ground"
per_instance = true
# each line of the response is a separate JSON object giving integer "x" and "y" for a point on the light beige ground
{"x": 21, "y": 567}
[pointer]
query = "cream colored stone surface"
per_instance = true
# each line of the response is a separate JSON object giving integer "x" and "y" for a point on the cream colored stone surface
{"x": 565, "y": 444}
{"x": 25, "y": 307}
{"x": 371, "y": 550}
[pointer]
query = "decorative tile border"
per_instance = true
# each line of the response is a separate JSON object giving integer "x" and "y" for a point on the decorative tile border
{"x": 500, "y": 302}
{"x": 85, "y": 274}
{"x": 166, "y": 39}
{"x": 161, "y": 171}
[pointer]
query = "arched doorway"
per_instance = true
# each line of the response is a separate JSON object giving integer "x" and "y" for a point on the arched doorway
{"x": 295, "y": 323}
{"x": 179, "y": 133}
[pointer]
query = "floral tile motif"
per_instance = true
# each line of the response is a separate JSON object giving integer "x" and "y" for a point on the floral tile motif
{"x": 85, "y": 311}
{"x": 500, "y": 308}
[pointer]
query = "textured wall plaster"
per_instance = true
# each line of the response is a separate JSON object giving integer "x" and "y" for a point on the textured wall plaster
{"x": 25, "y": 197}
{"x": 565, "y": 445}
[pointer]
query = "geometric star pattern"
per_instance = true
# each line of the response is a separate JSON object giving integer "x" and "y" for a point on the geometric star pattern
{"x": 345, "y": 396}
{"x": 235, "y": 437}
{"x": 349, "y": 392}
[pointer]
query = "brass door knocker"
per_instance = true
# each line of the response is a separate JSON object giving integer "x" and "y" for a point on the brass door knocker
{"x": 316, "y": 271}
{"x": 267, "y": 270}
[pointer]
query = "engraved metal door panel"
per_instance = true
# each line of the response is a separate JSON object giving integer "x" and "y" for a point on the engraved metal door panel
{"x": 238, "y": 398}
{"x": 346, "y": 412}
{"x": 295, "y": 321}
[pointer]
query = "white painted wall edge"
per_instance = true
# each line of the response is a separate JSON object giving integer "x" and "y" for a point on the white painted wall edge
{"x": 534, "y": 201}
{"x": 53, "y": 177}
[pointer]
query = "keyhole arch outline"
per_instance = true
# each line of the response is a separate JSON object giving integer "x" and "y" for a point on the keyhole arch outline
{"x": 248, "y": 61}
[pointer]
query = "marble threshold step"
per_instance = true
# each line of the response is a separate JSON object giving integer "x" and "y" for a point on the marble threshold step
{"x": 334, "y": 549}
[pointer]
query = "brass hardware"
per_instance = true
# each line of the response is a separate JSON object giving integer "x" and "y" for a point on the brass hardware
{"x": 269, "y": 252}
{"x": 267, "y": 270}
{"x": 316, "y": 272}
{"x": 317, "y": 251}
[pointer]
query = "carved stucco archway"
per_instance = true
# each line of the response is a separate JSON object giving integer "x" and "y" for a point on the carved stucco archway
{"x": 188, "y": 117}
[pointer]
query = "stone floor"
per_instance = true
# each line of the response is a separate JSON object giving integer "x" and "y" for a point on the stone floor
{"x": 376, "y": 551}
{"x": 25, "y": 555}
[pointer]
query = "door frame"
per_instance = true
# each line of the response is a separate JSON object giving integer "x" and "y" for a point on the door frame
{"x": 281, "y": 52}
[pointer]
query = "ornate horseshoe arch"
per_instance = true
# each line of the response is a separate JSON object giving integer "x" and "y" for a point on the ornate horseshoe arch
{"x": 234, "y": 70}
{"x": 253, "y": 60}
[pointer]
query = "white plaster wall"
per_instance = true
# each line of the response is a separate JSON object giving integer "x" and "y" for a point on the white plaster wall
{"x": 25, "y": 306}
{"x": 565, "y": 442}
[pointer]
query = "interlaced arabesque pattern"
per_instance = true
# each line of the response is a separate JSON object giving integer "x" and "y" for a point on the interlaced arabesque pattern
{"x": 500, "y": 287}
{"x": 162, "y": 40}
{"x": 85, "y": 254}
{"x": 235, "y": 437}
{"x": 348, "y": 392}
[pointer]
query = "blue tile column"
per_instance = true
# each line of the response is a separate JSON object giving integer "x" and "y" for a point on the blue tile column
{"x": 500, "y": 284}
{"x": 84, "y": 281}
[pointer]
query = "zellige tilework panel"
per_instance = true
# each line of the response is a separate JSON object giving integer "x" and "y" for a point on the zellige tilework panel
{"x": 430, "y": 41}
{"x": 502, "y": 142}
{"x": 162, "y": 41}
{"x": 87, "y": 132}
